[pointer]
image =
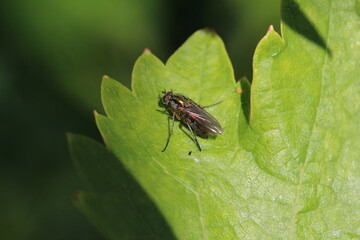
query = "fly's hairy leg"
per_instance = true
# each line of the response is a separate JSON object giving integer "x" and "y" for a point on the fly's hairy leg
{"x": 162, "y": 111}
{"x": 193, "y": 135}
{"x": 171, "y": 129}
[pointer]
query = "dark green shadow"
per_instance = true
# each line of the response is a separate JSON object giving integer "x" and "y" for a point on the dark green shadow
{"x": 245, "y": 97}
{"x": 114, "y": 202}
{"x": 294, "y": 17}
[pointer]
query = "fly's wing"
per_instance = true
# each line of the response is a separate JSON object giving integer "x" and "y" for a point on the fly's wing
{"x": 203, "y": 118}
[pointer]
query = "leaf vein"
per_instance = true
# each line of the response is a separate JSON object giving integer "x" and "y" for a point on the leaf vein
{"x": 308, "y": 153}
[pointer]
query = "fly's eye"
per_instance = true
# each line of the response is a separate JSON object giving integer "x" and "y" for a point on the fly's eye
{"x": 165, "y": 100}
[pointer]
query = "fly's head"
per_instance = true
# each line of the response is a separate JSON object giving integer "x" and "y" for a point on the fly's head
{"x": 166, "y": 99}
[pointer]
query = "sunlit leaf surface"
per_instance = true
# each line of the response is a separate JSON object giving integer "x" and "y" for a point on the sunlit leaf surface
{"x": 288, "y": 168}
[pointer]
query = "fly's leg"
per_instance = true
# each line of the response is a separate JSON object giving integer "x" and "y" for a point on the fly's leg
{"x": 193, "y": 135}
{"x": 170, "y": 132}
{"x": 212, "y": 104}
{"x": 162, "y": 111}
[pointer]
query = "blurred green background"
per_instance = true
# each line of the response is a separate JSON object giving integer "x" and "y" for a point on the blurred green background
{"x": 53, "y": 54}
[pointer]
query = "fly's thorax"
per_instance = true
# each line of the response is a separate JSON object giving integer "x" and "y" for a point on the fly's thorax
{"x": 181, "y": 100}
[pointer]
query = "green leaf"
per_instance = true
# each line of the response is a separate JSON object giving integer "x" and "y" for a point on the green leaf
{"x": 137, "y": 133}
{"x": 114, "y": 202}
{"x": 289, "y": 169}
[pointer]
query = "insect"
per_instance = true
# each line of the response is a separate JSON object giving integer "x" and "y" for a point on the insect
{"x": 199, "y": 121}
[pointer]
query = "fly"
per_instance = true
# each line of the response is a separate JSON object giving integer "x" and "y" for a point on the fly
{"x": 199, "y": 121}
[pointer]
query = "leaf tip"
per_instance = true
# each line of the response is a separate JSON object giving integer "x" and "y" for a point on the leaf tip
{"x": 210, "y": 30}
{"x": 270, "y": 28}
{"x": 107, "y": 82}
{"x": 68, "y": 134}
{"x": 146, "y": 51}
{"x": 76, "y": 196}
{"x": 95, "y": 112}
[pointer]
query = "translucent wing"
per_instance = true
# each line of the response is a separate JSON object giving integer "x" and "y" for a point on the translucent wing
{"x": 204, "y": 119}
